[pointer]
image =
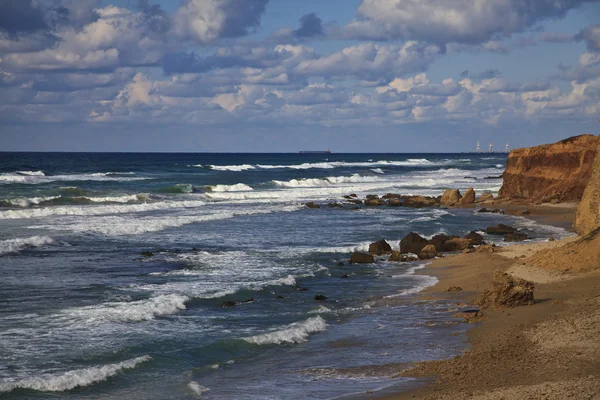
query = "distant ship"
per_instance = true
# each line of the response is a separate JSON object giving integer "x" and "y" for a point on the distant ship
{"x": 316, "y": 152}
{"x": 490, "y": 150}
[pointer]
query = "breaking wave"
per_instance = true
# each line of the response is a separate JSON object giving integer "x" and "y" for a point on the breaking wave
{"x": 332, "y": 180}
{"x": 37, "y": 177}
{"x": 411, "y": 162}
{"x": 239, "y": 187}
{"x": 296, "y": 332}
{"x": 72, "y": 379}
{"x": 27, "y": 202}
{"x": 16, "y": 245}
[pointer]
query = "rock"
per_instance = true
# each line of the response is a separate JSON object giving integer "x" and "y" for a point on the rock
{"x": 371, "y": 197}
{"x": 587, "y": 218}
{"x": 560, "y": 170}
{"x": 340, "y": 263}
{"x": 147, "y": 254}
{"x": 334, "y": 205}
{"x": 312, "y": 204}
{"x": 551, "y": 239}
{"x": 419, "y": 201}
{"x": 515, "y": 237}
{"x": 391, "y": 196}
{"x": 361, "y": 258}
{"x": 454, "y": 289}
{"x": 486, "y": 197}
{"x": 374, "y": 202}
{"x": 450, "y": 197}
{"x": 486, "y": 248}
{"x": 499, "y": 229}
{"x": 493, "y": 177}
{"x": 303, "y": 289}
{"x": 380, "y": 247}
{"x": 457, "y": 244}
{"x": 413, "y": 243}
{"x": 470, "y": 177}
{"x": 320, "y": 297}
{"x": 250, "y": 300}
{"x": 396, "y": 256}
{"x": 227, "y": 304}
{"x": 439, "y": 240}
{"x": 345, "y": 276}
{"x": 355, "y": 201}
{"x": 468, "y": 198}
{"x": 280, "y": 297}
{"x": 394, "y": 202}
{"x": 475, "y": 238}
{"x": 523, "y": 212}
{"x": 507, "y": 292}
{"x": 428, "y": 252}
{"x": 470, "y": 316}
{"x": 350, "y": 196}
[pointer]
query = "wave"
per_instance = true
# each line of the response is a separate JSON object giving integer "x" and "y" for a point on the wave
{"x": 296, "y": 332}
{"x": 27, "y": 202}
{"x": 332, "y": 180}
{"x": 16, "y": 245}
{"x": 38, "y": 177}
{"x": 197, "y": 389}
{"x": 239, "y": 187}
{"x": 377, "y": 170}
{"x": 72, "y": 379}
{"x": 24, "y": 202}
{"x": 179, "y": 188}
{"x": 411, "y": 162}
{"x": 97, "y": 210}
{"x": 133, "y": 311}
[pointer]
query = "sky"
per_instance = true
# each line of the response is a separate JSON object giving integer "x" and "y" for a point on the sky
{"x": 289, "y": 75}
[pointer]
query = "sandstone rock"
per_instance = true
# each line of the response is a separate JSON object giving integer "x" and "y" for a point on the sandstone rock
{"x": 486, "y": 197}
{"x": 439, "y": 240}
{"x": 499, "y": 229}
{"x": 451, "y": 197}
{"x": 374, "y": 202}
{"x": 361, "y": 258}
{"x": 523, "y": 212}
{"x": 371, "y": 197}
{"x": 475, "y": 238}
{"x": 507, "y": 292}
{"x": 396, "y": 256}
{"x": 454, "y": 289}
{"x": 470, "y": 316}
{"x": 334, "y": 205}
{"x": 561, "y": 169}
{"x": 428, "y": 252}
{"x": 419, "y": 201}
{"x": 457, "y": 244}
{"x": 468, "y": 198}
{"x": 380, "y": 247}
{"x": 587, "y": 217}
{"x": 312, "y": 204}
{"x": 486, "y": 248}
{"x": 391, "y": 196}
{"x": 394, "y": 202}
{"x": 413, "y": 243}
{"x": 515, "y": 237}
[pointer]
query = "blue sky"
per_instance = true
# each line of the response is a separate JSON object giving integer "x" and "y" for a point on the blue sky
{"x": 283, "y": 75}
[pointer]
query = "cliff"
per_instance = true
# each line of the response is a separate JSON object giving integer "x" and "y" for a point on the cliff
{"x": 587, "y": 217}
{"x": 559, "y": 171}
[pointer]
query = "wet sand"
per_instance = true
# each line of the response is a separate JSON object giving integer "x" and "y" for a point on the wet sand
{"x": 549, "y": 350}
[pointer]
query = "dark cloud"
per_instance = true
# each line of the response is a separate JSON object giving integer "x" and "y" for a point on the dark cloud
{"x": 21, "y": 16}
{"x": 158, "y": 20}
{"x": 487, "y": 74}
{"x": 591, "y": 36}
{"x": 310, "y": 26}
{"x": 242, "y": 16}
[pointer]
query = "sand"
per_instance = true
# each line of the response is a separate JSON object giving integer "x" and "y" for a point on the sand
{"x": 549, "y": 350}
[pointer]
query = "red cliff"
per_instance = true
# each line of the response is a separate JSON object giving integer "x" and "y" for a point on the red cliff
{"x": 559, "y": 171}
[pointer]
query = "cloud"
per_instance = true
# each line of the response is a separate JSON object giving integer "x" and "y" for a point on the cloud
{"x": 310, "y": 26}
{"x": 591, "y": 36}
{"x": 446, "y": 21}
{"x": 557, "y": 37}
{"x": 205, "y": 21}
{"x": 21, "y": 16}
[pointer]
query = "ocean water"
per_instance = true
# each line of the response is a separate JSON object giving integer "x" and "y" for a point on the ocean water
{"x": 83, "y": 314}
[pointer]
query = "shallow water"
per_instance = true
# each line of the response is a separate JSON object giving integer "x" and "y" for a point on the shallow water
{"x": 83, "y": 314}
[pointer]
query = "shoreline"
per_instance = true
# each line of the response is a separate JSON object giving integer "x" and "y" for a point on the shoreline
{"x": 522, "y": 352}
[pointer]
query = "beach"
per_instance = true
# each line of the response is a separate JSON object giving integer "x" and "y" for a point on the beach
{"x": 548, "y": 350}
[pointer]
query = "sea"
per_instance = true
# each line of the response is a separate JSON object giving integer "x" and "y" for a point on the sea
{"x": 115, "y": 269}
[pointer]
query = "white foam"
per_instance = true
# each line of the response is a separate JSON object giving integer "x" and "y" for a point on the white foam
{"x": 377, "y": 170}
{"x": 31, "y": 173}
{"x": 97, "y": 210}
{"x": 411, "y": 162}
{"x": 71, "y": 379}
{"x": 296, "y": 332}
{"x": 27, "y": 202}
{"x": 16, "y": 245}
{"x": 197, "y": 389}
{"x": 423, "y": 281}
{"x": 37, "y": 177}
{"x": 235, "y": 168}
{"x": 239, "y": 187}
{"x": 118, "y": 199}
{"x": 134, "y": 311}
{"x": 332, "y": 180}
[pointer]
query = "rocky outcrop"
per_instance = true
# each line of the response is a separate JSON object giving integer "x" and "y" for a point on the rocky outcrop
{"x": 413, "y": 243}
{"x": 380, "y": 247}
{"x": 507, "y": 292}
{"x": 558, "y": 171}
{"x": 587, "y": 217}
{"x": 450, "y": 197}
{"x": 499, "y": 229}
{"x": 361, "y": 258}
{"x": 468, "y": 198}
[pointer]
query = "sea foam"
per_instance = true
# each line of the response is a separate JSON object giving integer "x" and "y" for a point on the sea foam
{"x": 71, "y": 379}
{"x": 296, "y": 332}
{"x": 16, "y": 245}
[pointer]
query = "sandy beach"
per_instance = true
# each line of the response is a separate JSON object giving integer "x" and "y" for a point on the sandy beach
{"x": 548, "y": 350}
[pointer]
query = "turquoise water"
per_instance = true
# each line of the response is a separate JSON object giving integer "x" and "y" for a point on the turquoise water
{"x": 83, "y": 314}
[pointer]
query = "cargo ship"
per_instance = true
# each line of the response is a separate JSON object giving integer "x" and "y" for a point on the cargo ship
{"x": 316, "y": 152}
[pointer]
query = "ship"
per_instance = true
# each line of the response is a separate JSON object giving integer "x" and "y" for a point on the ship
{"x": 315, "y": 152}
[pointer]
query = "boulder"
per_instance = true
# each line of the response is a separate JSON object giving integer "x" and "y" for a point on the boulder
{"x": 450, "y": 197}
{"x": 507, "y": 292}
{"x": 439, "y": 240}
{"x": 468, "y": 198}
{"x": 457, "y": 244}
{"x": 394, "y": 202}
{"x": 515, "y": 237}
{"x": 361, "y": 258}
{"x": 486, "y": 197}
{"x": 419, "y": 201}
{"x": 396, "y": 256}
{"x": 428, "y": 252}
{"x": 499, "y": 229}
{"x": 380, "y": 247}
{"x": 371, "y": 197}
{"x": 312, "y": 204}
{"x": 560, "y": 170}
{"x": 320, "y": 297}
{"x": 374, "y": 202}
{"x": 391, "y": 196}
{"x": 475, "y": 238}
{"x": 413, "y": 243}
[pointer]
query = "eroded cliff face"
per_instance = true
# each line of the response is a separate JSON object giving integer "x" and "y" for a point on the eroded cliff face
{"x": 587, "y": 217}
{"x": 559, "y": 170}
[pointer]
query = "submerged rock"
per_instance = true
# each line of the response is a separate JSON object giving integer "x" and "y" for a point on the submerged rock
{"x": 515, "y": 237}
{"x": 312, "y": 204}
{"x": 499, "y": 229}
{"x": 320, "y": 297}
{"x": 147, "y": 253}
